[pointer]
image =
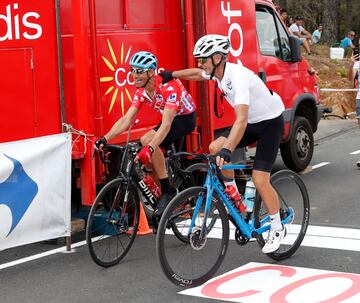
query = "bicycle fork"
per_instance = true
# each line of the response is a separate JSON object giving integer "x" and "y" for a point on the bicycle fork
{"x": 198, "y": 205}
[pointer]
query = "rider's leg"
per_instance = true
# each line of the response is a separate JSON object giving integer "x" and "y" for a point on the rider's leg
{"x": 268, "y": 194}
{"x": 269, "y": 135}
{"x": 158, "y": 163}
{"x": 157, "y": 158}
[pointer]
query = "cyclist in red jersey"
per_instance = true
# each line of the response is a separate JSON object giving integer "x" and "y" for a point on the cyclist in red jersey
{"x": 178, "y": 118}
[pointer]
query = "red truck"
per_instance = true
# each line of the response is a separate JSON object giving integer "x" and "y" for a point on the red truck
{"x": 68, "y": 62}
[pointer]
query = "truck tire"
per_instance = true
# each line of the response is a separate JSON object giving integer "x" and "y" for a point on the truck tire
{"x": 298, "y": 151}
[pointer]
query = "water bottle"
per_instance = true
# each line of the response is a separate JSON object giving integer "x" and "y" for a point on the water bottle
{"x": 250, "y": 195}
{"x": 154, "y": 188}
{"x": 236, "y": 198}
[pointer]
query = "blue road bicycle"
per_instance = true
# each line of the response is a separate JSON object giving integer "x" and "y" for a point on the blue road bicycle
{"x": 202, "y": 215}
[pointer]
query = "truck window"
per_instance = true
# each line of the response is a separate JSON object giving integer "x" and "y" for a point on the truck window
{"x": 115, "y": 15}
{"x": 149, "y": 14}
{"x": 272, "y": 37}
{"x": 109, "y": 15}
{"x": 284, "y": 41}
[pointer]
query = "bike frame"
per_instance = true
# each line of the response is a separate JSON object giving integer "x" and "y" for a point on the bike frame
{"x": 130, "y": 174}
{"x": 212, "y": 184}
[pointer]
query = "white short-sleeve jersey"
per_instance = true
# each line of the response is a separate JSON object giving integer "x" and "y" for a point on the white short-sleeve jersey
{"x": 296, "y": 28}
{"x": 241, "y": 86}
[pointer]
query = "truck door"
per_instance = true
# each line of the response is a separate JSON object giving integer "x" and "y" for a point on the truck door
{"x": 17, "y": 95}
{"x": 124, "y": 28}
{"x": 274, "y": 55}
{"x": 29, "y": 71}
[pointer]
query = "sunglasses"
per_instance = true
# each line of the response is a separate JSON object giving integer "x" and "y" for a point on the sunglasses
{"x": 202, "y": 60}
{"x": 138, "y": 70}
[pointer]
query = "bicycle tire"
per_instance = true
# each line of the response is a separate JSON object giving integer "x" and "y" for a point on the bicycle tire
{"x": 197, "y": 174}
{"x": 210, "y": 252}
{"x": 289, "y": 187}
{"x": 108, "y": 227}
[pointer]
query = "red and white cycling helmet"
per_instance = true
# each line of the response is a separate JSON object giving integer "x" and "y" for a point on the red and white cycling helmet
{"x": 211, "y": 44}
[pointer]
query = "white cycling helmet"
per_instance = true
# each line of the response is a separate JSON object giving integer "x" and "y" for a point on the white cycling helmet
{"x": 211, "y": 44}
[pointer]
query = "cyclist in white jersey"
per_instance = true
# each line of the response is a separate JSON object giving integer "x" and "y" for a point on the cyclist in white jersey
{"x": 258, "y": 119}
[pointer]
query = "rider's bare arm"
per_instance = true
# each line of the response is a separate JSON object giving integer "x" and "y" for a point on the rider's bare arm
{"x": 189, "y": 74}
{"x": 238, "y": 128}
{"x": 122, "y": 124}
{"x": 164, "y": 128}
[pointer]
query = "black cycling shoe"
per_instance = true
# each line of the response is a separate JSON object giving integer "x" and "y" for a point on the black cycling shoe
{"x": 163, "y": 202}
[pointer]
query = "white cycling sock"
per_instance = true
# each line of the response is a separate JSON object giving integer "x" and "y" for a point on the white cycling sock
{"x": 233, "y": 183}
{"x": 275, "y": 221}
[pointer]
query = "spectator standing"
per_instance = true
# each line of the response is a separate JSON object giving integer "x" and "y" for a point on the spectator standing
{"x": 299, "y": 31}
{"x": 316, "y": 35}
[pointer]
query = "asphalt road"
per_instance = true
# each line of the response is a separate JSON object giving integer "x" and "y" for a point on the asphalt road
{"x": 332, "y": 244}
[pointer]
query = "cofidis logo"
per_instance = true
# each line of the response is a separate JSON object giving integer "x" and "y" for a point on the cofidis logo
{"x": 118, "y": 77}
{"x": 16, "y": 25}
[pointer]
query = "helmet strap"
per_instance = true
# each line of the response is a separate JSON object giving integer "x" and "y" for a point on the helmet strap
{"x": 215, "y": 66}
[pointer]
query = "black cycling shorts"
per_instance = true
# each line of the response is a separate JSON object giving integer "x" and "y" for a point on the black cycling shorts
{"x": 181, "y": 126}
{"x": 268, "y": 135}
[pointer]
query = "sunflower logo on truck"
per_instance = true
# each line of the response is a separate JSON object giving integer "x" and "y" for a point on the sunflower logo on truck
{"x": 119, "y": 77}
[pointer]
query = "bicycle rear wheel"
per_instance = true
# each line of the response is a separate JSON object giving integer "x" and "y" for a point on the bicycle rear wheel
{"x": 195, "y": 176}
{"x": 112, "y": 223}
{"x": 293, "y": 198}
{"x": 192, "y": 262}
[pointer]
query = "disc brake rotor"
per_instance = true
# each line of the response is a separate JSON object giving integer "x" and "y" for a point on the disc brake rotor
{"x": 196, "y": 242}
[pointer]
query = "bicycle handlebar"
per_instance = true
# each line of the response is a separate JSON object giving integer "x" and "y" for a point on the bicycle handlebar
{"x": 206, "y": 157}
{"x": 108, "y": 147}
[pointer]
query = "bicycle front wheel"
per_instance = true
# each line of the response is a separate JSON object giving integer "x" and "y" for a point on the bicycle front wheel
{"x": 192, "y": 262}
{"x": 294, "y": 207}
{"x": 112, "y": 223}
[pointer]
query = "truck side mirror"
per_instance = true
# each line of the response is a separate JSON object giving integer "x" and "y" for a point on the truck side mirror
{"x": 295, "y": 49}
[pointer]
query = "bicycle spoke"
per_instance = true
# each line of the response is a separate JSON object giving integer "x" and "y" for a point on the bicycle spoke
{"x": 112, "y": 223}
{"x": 294, "y": 212}
{"x": 193, "y": 259}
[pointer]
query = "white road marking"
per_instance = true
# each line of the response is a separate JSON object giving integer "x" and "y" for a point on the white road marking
{"x": 320, "y": 165}
{"x": 41, "y": 255}
{"x": 355, "y": 152}
{"x": 316, "y": 236}
{"x": 250, "y": 284}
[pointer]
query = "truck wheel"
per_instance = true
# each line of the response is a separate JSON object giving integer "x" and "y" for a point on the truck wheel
{"x": 298, "y": 151}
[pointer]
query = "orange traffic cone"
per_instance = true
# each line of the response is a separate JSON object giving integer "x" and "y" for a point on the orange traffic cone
{"x": 144, "y": 228}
